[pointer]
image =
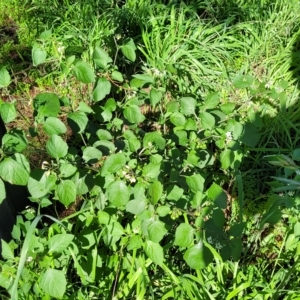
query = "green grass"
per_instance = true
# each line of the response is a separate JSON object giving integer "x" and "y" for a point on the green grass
{"x": 191, "y": 50}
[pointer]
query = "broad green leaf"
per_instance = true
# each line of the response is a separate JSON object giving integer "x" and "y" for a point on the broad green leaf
{"x": 84, "y": 72}
{"x": 163, "y": 210}
{"x": 135, "y": 242}
{"x": 128, "y": 50}
{"x": 184, "y": 235}
{"x": 47, "y": 105}
{"x": 59, "y": 242}
{"x": 236, "y": 230}
{"x": 14, "y": 141}
{"x": 38, "y": 54}
{"x": 227, "y": 108}
{"x": 137, "y": 206}
{"x": 13, "y": 172}
{"x": 115, "y": 75}
{"x": 77, "y": 121}
{"x": 53, "y": 283}
{"x": 102, "y": 89}
{"x": 113, "y": 163}
{"x": 22, "y": 160}
{"x": 216, "y": 193}
{"x": 118, "y": 193}
{"x": 218, "y": 216}
{"x": 178, "y": 119}
{"x": 188, "y": 105}
{"x": 84, "y": 182}
{"x": 8, "y": 111}
{"x": 133, "y": 114}
{"x": 174, "y": 193}
{"x": 101, "y": 58}
{"x": 154, "y": 138}
{"x": 155, "y": 96}
{"x": 181, "y": 137}
{"x": 54, "y": 125}
{"x": 112, "y": 233}
{"x": 243, "y": 81}
{"x": 212, "y": 100}
{"x": 103, "y": 134}
{"x": 56, "y": 147}
{"x": 66, "y": 192}
{"x": 46, "y": 35}
{"x": 106, "y": 147}
{"x": 155, "y": 252}
{"x": 145, "y": 78}
{"x": 156, "y": 231}
{"x": 134, "y": 144}
{"x": 7, "y": 252}
{"x": 151, "y": 170}
{"x": 235, "y": 127}
{"x": 155, "y": 191}
{"x": 82, "y": 106}
{"x": 67, "y": 170}
{"x": 195, "y": 182}
{"x": 226, "y": 158}
{"x": 198, "y": 256}
{"x": 207, "y": 120}
{"x": 40, "y": 183}
{"x": 91, "y": 155}
{"x": 2, "y": 191}
{"x": 236, "y": 246}
{"x": 250, "y": 136}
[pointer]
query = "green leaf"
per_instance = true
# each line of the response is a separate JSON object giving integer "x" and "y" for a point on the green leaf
{"x": 243, "y": 81}
{"x": 8, "y": 111}
{"x": 59, "y": 242}
{"x": 82, "y": 106}
{"x": 7, "y": 252}
{"x": 66, "y": 192}
{"x": 236, "y": 230}
{"x": 113, "y": 163}
{"x": 128, "y": 50}
{"x": 155, "y": 252}
{"x": 91, "y": 155}
{"x": 112, "y": 233}
{"x": 40, "y": 183}
{"x": 195, "y": 182}
{"x": 226, "y": 158}
{"x": 67, "y": 170}
{"x": 84, "y": 72}
{"x": 77, "y": 121}
{"x": 235, "y": 127}
{"x": 227, "y": 108}
{"x": 101, "y": 58}
{"x": 174, "y": 193}
{"x": 133, "y": 114}
{"x": 155, "y": 191}
{"x": 118, "y": 193}
{"x": 134, "y": 144}
{"x": 155, "y": 96}
{"x": 115, "y": 75}
{"x": 56, "y": 147}
{"x": 137, "y": 206}
{"x": 54, "y": 126}
{"x": 178, "y": 119}
{"x": 151, "y": 170}
{"x": 198, "y": 256}
{"x": 156, "y": 231}
{"x": 47, "y": 105}
{"x": 2, "y": 191}
{"x": 13, "y": 172}
{"x": 212, "y": 100}
{"x": 103, "y": 134}
{"x": 218, "y": 216}
{"x": 144, "y": 78}
{"x": 53, "y": 283}
{"x": 163, "y": 211}
{"x": 236, "y": 246}
{"x": 38, "y": 54}
{"x": 216, "y": 193}
{"x": 155, "y": 137}
{"x": 188, "y": 105}
{"x": 102, "y": 89}
{"x": 14, "y": 141}
{"x": 207, "y": 120}
{"x": 182, "y": 138}
{"x": 135, "y": 242}
{"x": 184, "y": 235}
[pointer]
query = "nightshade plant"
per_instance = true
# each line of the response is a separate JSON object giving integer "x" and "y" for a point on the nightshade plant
{"x": 148, "y": 166}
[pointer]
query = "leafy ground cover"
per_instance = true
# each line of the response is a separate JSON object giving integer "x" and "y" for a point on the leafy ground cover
{"x": 159, "y": 145}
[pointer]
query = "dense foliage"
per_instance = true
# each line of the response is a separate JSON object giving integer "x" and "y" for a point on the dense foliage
{"x": 159, "y": 146}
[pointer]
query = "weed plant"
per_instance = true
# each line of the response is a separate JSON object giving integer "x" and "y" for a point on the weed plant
{"x": 162, "y": 138}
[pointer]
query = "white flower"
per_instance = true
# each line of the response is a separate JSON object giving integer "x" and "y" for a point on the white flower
{"x": 210, "y": 240}
{"x": 291, "y": 193}
{"x": 218, "y": 246}
{"x": 29, "y": 259}
{"x": 228, "y": 136}
{"x": 268, "y": 84}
